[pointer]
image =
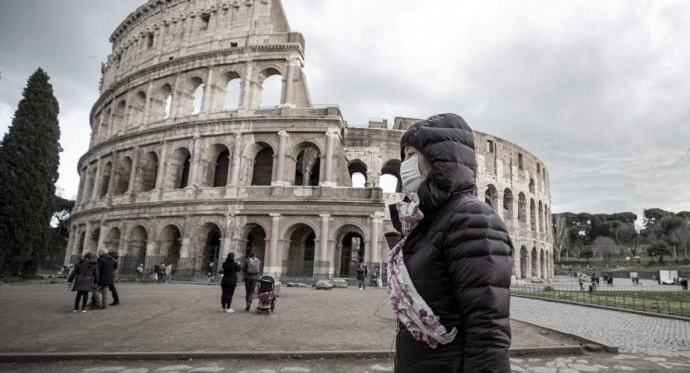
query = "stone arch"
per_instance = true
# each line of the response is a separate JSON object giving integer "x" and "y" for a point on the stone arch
{"x": 271, "y": 86}
{"x": 301, "y": 240}
{"x": 136, "y": 249}
{"x": 542, "y": 264}
{"x": 532, "y": 215}
{"x": 534, "y": 263}
{"x": 531, "y": 185}
{"x": 233, "y": 88}
{"x": 524, "y": 262}
{"x": 219, "y": 166}
{"x": 260, "y": 169}
{"x": 350, "y": 250}
{"x": 104, "y": 125}
{"x": 92, "y": 245}
{"x": 198, "y": 93}
{"x": 123, "y": 175}
{"x": 540, "y": 217}
{"x": 390, "y": 177}
{"x": 112, "y": 239}
{"x": 105, "y": 179}
{"x": 254, "y": 239}
{"x": 137, "y": 106}
{"x": 213, "y": 238}
{"x": 307, "y": 164}
{"x": 91, "y": 181}
{"x": 118, "y": 121}
{"x": 358, "y": 173}
{"x": 161, "y": 102}
{"x": 169, "y": 247}
{"x": 148, "y": 172}
{"x": 491, "y": 196}
{"x": 522, "y": 208}
{"x": 179, "y": 167}
{"x": 508, "y": 204}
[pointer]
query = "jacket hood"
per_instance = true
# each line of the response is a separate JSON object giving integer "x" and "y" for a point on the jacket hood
{"x": 447, "y": 142}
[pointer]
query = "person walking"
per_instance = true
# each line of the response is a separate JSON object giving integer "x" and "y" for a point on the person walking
{"x": 228, "y": 282}
{"x": 82, "y": 279}
{"x": 361, "y": 275}
{"x": 251, "y": 271}
{"x": 168, "y": 273}
{"x": 449, "y": 275}
{"x": 107, "y": 265}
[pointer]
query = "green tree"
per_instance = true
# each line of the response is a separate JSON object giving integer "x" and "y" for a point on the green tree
{"x": 59, "y": 234}
{"x": 29, "y": 159}
{"x": 658, "y": 249}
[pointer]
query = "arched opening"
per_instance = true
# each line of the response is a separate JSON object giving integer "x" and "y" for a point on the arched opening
{"x": 197, "y": 96}
{"x": 300, "y": 259}
{"x": 535, "y": 265}
{"x": 221, "y": 167}
{"x": 271, "y": 88}
{"x": 232, "y": 91}
{"x": 167, "y": 111}
{"x": 532, "y": 215}
{"x": 307, "y": 166}
{"x": 390, "y": 177}
{"x": 123, "y": 175}
{"x": 211, "y": 252}
{"x": 262, "y": 172}
{"x": 256, "y": 242}
{"x": 105, "y": 179}
{"x": 491, "y": 196}
{"x": 149, "y": 172}
{"x": 542, "y": 261}
{"x": 351, "y": 249}
{"x": 112, "y": 240}
{"x": 358, "y": 173}
{"x": 92, "y": 246}
{"x": 522, "y": 208}
{"x": 540, "y": 217}
{"x": 119, "y": 116}
{"x": 180, "y": 164}
{"x": 137, "y": 109}
{"x": 136, "y": 252}
{"x": 169, "y": 245}
{"x": 507, "y": 204}
{"x": 524, "y": 257}
{"x": 531, "y": 185}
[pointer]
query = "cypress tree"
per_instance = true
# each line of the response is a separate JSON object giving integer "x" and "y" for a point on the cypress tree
{"x": 29, "y": 159}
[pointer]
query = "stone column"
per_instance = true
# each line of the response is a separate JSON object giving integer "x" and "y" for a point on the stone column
{"x": 97, "y": 181}
{"x": 328, "y": 169}
{"x": 375, "y": 251}
{"x": 273, "y": 265}
{"x": 236, "y": 160}
{"x": 322, "y": 265}
{"x": 210, "y": 89}
{"x": 194, "y": 166}
{"x": 282, "y": 148}
{"x": 133, "y": 172}
{"x": 293, "y": 73}
{"x": 227, "y": 237}
{"x": 162, "y": 165}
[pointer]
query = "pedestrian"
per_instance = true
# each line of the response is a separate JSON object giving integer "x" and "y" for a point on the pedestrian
{"x": 209, "y": 272}
{"x": 361, "y": 275}
{"x": 228, "y": 282}
{"x": 251, "y": 271}
{"x": 374, "y": 281}
{"x": 449, "y": 275}
{"x": 107, "y": 265}
{"x": 581, "y": 281}
{"x": 82, "y": 279}
{"x": 140, "y": 271}
{"x": 168, "y": 272}
{"x": 160, "y": 268}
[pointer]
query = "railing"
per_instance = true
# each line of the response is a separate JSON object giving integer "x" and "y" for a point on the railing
{"x": 623, "y": 300}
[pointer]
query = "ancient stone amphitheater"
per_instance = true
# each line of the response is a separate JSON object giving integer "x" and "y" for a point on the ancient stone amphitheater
{"x": 185, "y": 164}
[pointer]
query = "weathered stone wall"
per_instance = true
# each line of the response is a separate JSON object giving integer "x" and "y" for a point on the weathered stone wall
{"x": 173, "y": 175}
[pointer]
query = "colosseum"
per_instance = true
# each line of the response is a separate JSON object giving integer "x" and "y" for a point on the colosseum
{"x": 185, "y": 164}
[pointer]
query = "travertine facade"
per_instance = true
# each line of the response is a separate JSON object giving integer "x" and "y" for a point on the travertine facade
{"x": 185, "y": 165}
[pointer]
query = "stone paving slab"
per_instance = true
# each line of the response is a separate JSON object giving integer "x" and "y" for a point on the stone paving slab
{"x": 186, "y": 318}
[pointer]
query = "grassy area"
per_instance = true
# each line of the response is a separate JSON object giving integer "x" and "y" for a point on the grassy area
{"x": 670, "y": 303}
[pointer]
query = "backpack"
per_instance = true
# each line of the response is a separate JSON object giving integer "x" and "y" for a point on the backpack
{"x": 252, "y": 266}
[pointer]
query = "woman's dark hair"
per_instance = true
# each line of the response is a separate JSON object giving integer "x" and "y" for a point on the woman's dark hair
{"x": 230, "y": 258}
{"x": 85, "y": 264}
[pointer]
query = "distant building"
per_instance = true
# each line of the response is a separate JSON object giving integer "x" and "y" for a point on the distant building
{"x": 185, "y": 164}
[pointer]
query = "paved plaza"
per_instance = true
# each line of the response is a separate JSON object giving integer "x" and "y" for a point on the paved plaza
{"x": 169, "y": 327}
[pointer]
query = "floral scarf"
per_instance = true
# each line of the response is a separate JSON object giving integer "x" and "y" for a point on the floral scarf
{"x": 408, "y": 305}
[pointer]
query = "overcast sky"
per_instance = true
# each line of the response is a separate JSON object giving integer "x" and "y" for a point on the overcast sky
{"x": 598, "y": 90}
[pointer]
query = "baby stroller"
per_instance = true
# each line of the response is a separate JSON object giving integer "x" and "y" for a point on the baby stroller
{"x": 267, "y": 299}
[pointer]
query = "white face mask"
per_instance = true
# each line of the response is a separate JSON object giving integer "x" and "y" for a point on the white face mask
{"x": 410, "y": 175}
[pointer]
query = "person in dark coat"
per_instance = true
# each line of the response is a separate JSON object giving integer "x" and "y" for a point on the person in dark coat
{"x": 106, "y": 281}
{"x": 252, "y": 273}
{"x": 449, "y": 276}
{"x": 82, "y": 279}
{"x": 229, "y": 282}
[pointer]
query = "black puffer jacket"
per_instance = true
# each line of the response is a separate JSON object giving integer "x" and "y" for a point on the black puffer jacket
{"x": 458, "y": 257}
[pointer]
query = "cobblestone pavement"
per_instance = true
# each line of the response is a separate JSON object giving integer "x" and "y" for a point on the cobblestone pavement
{"x": 184, "y": 317}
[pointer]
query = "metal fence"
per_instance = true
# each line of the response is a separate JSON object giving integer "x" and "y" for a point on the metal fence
{"x": 608, "y": 299}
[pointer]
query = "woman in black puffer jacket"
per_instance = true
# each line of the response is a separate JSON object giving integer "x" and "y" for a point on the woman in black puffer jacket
{"x": 449, "y": 276}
